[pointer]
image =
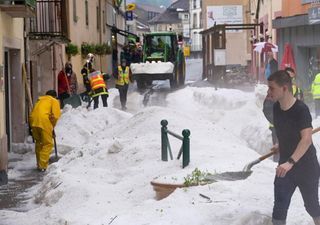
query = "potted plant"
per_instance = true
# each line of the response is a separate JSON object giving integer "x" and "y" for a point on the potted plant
{"x": 87, "y": 48}
{"x": 101, "y": 50}
{"x": 71, "y": 50}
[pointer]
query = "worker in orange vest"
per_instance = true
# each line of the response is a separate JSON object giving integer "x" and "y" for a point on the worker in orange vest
{"x": 94, "y": 82}
{"x": 98, "y": 88}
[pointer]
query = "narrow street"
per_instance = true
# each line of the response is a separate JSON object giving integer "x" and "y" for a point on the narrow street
{"x": 159, "y": 112}
{"x": 12, "y": 195}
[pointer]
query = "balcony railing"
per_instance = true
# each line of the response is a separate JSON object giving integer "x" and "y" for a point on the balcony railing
{"x": 19, "y": 8}
{"x": 51, "y": 20}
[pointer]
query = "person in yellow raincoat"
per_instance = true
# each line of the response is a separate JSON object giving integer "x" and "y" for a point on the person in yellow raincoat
{"x": 43, "y": 119}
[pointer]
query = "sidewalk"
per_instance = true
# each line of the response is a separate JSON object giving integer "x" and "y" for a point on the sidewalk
{"x": 20, "y": 179}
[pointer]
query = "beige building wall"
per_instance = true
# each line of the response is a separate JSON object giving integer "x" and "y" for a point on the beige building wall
{"x": 237, "y": 43}
{"x": 48, "y": 61}
{"x": 11, "y": 39}
{"x": 79, "y": 32}
{"x": 269, "y": 10}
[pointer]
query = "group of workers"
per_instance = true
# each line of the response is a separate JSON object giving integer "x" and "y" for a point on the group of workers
{"x": 46, "y": 111}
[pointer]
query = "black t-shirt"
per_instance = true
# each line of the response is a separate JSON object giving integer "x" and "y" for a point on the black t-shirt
{"x": 288, "y": 125}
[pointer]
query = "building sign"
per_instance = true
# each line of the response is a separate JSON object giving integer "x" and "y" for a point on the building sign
{"x": 131, "y": 7}
{"x": 220, "y": 57}
{"x": 129, "y": 15}
{"x": 309, "y": 1}
{"x": 224, "y": 14}
{"x": 314, "y": 15}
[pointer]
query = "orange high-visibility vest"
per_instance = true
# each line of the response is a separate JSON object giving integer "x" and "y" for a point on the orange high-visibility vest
{"x": 96, "y": 80}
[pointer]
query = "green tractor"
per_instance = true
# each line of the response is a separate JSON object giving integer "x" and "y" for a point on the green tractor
{"x": 162, "y": 59}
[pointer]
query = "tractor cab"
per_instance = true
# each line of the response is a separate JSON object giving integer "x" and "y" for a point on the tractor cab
{"x": 159, "y": 47}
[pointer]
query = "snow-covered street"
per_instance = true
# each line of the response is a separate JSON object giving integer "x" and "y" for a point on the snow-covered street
{"x": 109, "y": 158}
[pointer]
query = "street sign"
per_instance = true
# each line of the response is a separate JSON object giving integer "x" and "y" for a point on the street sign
{"x": 129, "y": 15}
{"x": 131, "y": 7}
{"x": 314, "y": 15}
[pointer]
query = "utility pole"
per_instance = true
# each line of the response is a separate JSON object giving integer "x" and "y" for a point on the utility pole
{"x": 125, "y": 18}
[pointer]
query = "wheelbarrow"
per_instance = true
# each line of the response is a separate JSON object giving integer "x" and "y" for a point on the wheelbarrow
{"x": 246, "y": 172}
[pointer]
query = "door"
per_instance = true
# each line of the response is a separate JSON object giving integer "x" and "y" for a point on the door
{"x": 7, "y": 98}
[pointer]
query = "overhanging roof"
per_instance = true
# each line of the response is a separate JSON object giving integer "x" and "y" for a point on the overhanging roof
{"x": 291, "y": 21}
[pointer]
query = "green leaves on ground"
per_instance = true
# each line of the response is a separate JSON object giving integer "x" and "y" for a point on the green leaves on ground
{"x": 197, "y": 177}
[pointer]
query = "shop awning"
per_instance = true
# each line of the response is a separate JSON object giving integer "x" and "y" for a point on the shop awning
{"x": 291, "y": 21}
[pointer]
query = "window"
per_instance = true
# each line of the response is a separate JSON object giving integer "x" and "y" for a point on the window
{"x": 194, "y": 4}
{"x": 98, "y": 18}
{"x": 186, "y": 16}
{"x": 86, "y": 12}
{"x": 200, "y": 3}
{"x": 195, "y": 21}
{"x": 201, "y": 20}
{"x": 75, "y": 18}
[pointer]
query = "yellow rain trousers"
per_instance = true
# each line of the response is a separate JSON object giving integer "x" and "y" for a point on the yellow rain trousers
{"x": 44, "y": 144}
{"x": 43, "y": 118}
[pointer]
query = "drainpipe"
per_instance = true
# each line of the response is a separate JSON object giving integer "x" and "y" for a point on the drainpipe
{"x": 54, "y": 67}
{"x": 258, "y": 11}
{"x": 100, "y": 32}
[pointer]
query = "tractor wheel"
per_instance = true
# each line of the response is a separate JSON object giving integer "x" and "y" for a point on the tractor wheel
{"x": 183, "y": 72}
{"x": 148, "y": 82}
{"x": 174, "y": 82}
{"x": 141, "y": 84}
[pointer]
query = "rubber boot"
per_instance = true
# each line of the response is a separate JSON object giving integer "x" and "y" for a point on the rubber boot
{"x": 316, "y": 220}
{"x": 278, "y": 222}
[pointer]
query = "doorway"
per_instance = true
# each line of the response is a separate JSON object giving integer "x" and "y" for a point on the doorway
{"x": 7, "y": 98}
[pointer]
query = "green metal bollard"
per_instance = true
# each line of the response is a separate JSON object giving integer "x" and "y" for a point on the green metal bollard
{"x": 186, "y": 148}
{"x": 164, "y": 140}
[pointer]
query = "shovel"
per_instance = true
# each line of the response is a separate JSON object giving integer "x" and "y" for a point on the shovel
{"x": 273, "y": 151}
{"x": 246, "y": 172}
{"x": 55, "y": 158}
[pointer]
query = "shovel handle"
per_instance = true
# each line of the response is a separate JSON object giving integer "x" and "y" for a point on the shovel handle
{"x": 315, "y": 130}
{"x": 274, "y": 150}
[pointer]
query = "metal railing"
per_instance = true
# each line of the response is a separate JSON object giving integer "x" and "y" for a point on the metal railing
{"x": 165, "y": 144}
{"x": 51, "y": 19}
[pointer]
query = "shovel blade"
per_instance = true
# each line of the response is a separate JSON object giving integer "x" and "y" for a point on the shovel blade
{"x": 230, "y": 176}
{"x": 53, "y": 159}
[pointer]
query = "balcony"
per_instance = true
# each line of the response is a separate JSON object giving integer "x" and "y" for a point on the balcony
{"x": 19, "y": 8}
{"x": 50, "y": 22}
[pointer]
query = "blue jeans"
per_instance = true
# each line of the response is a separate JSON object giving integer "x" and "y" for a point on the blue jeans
{"x": 284, "y": 188}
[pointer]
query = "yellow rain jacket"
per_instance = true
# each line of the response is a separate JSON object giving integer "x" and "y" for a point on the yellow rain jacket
{"x": 43, "y": 119}
{"x": 45, "y": 113}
